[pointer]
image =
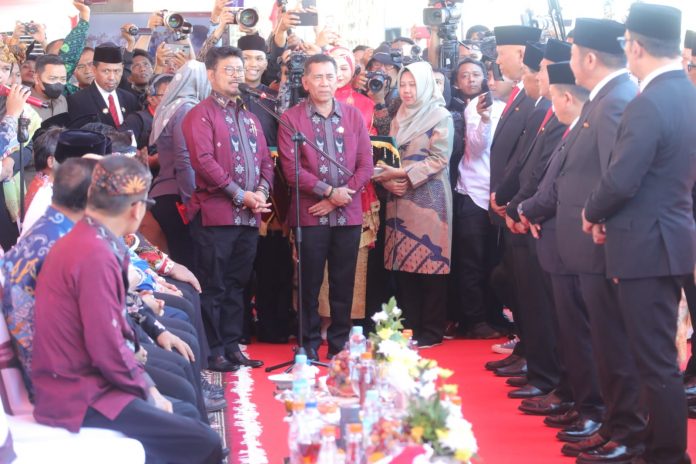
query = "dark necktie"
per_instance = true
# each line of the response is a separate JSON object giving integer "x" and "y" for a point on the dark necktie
{"x": 113, "y": 111}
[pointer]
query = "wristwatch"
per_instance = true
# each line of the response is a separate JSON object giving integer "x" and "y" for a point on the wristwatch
{"x": 380, "y": 106}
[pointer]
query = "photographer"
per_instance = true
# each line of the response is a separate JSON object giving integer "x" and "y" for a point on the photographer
{"x": 386, "y": 99}
{"x": 467, "y": 79}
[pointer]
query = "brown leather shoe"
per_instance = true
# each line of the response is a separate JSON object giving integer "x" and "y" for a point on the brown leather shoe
{"x": 562, "y": 420}
{"x": 506, "y": 361}
{"x": 545, "y": 405}
{"x": 574, "y": 449}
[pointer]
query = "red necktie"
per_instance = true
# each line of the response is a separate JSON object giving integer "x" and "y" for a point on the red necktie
{"x": 565, "y": 134}
{"x": 112, "y": 110}
{"x": 549, "y": 113}
{"x": 511, "y": 99}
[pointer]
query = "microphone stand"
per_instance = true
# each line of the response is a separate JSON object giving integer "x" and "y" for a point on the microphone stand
{"x": 298, "y": 138}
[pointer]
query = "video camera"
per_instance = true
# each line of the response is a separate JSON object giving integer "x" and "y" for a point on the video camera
{"x": 441, "y": 12}
{"x": 247, "y": 17}
{"x": 177, "y": 24}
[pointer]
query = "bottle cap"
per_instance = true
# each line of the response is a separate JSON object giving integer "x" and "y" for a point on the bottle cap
{"x": 298, "y": 405}
{"x": 366, "y": 355}
{"x": 355, "y": 428}
{"x": 408, "y": 333}
{"x": 328, "y": 431}
{"x": 357, "y": 329}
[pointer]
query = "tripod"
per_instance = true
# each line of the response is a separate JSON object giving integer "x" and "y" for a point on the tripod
{"x": 298, "y": 139}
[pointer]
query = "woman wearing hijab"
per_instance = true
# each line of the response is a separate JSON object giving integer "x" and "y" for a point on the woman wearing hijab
{"x": 345, "y": 71}
{"x": 174, "y": 184}
{"x": 419, "y": 210}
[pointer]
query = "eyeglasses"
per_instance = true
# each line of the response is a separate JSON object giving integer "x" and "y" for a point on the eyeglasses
{"x": 230, "y": 71}
{"x": 149, "y": 203}
{"x": 623, "y": 42}
{"x": 690, "y": 66}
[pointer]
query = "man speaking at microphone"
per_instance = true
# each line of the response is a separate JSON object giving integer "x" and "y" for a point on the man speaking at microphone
{"x": 330, "y": 213}
{"x": 234, "y": 175}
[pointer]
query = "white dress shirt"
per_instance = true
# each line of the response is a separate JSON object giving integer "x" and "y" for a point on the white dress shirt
{"x": 676, "y": 66}
{"x": 475, "y": 167}
{"x": 105, "y": 96}
{"x": 605, "y": 81}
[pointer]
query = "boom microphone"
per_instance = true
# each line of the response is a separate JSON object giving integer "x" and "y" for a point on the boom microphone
{"x": 245, "y": 88}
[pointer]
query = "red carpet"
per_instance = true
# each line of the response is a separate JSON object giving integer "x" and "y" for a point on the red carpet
{"x": 257, "y": 433}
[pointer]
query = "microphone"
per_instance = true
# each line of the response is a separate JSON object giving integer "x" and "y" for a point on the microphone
{"x": 245, "y": 88}
{"x": 33, "y": 101}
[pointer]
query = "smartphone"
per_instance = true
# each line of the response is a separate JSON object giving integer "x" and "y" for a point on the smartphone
{"x": 485, "y": 95}
{"x": 175, "y": 48}
{"x": 309, "y": 18}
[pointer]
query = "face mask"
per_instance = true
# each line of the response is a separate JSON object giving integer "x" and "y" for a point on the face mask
{"x": 53, "y": 90}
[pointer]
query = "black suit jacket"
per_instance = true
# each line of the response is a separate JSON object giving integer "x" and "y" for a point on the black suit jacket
{"x": 507, "y": 137}
{"x": 645, "y": 195}
{"x": 587, "y": 159}
{"x": 89, "y": 101}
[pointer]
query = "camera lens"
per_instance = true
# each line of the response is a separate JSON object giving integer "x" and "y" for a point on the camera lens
{"x": 248, "y": 17}
{"x": 175, "y": 21}
{"x": 375, "y": 84}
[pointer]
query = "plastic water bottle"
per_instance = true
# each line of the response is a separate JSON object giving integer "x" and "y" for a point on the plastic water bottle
{"x": 296, "y": 421}
{"x": 412, "y": 344}
{"x": 357, "y": 343}
{"x": 308, "y": 438}
{"x": 328, "y": 454}
{"x": 368, "y": 375}
{"x": 370, "y": 412}
{"x": 301, "y": 388}
{"x": 355, "y": 450}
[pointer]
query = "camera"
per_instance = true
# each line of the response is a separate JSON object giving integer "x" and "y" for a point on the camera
{"x": 30, "y": 28}
{"x": 247, "y": 17}
{"x": 177, "y": 24}
{"x": 442, "y": 12}
{"x": 414, "y": 56}
{"x": 378, "y": 80}
{"x": 133, "y": 30}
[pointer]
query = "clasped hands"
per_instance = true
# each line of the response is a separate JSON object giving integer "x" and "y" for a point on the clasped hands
{"x": 256, "y": 202}
{"x": 336, "y": 197}
{"x": 393, "y": 179}
{"x": 598, "y": 231}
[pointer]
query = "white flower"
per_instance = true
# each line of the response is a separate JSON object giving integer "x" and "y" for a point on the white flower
{"x": 396, "y": 311}
{"x": 427, "y": 391}
{"x": 460, "y": 436}
{"x": 389, "y": 348}
{"x": 380, "y": 317}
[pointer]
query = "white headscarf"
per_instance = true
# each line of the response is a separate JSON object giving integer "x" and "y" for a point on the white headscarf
{"x": 190, "y": 85}
{"x": 427, "y": 111}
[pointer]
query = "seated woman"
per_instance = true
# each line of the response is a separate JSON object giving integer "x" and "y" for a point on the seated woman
{"x": 419, "y": 209}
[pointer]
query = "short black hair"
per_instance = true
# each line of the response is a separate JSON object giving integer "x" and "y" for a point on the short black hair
{"x": 476, "y": 29}
{"x": 140, "y": 52}
{"x": 216, "y": 54}
{"x": 86, "y": 49}
{"x": 44, "y": 60}
{"x": 52, "y": 43}
{"x": 408, "y": 40}
{"x": 360, "y": 48}
{"x": 100, "y": 199}
{"x": 45, "y": 147}
{"x": 610, "y": 60}
{"x": 315, "y": 59}
{"x": 157, "y": 81}
{"x": 121, "y": 142}
{"x": 71, "y": 183}
{"x": 579, "y": 93}
{"x": 464, "y": 61}
{"x": 658, "y": 48}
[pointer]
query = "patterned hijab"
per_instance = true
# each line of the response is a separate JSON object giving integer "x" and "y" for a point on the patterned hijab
{"x": 190, "y": 85}
{"x": 428, "y": 110}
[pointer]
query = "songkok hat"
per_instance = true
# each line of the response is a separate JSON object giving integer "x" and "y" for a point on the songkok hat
{"x": 108, "y": 53}
{"x": 690, "y": 39}
{"x": 516, "y": 35}
{"x": 130, "y": 182}
{"x": 557, "y": 51}
{"x": 77, "y": 142}
{"x": 655, "y": 21}
{"x": 599, "y": 34}
{"x": 560, "y": 73}
{"x": 252, "y": 42}
{"x": 533, "y": 54}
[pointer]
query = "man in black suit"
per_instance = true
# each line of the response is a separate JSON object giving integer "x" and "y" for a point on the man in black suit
{"x": 510, "y": 45}
{"x": 644, "y": 206}
{"x": 103, "y": 98}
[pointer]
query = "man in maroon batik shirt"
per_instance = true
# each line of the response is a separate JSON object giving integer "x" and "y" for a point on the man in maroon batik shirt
{"x": 234, "y": 174}
{"x": 330, "y": 206}
{"x": 84, "y": 369}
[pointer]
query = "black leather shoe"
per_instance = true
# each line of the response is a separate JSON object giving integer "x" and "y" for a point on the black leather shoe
{"x": 574, "y": 449}
{"x": 610, "y": 452}
{"x": 528, "y": 391}
{"x": 245, "y": 341}
{"x": 517, "y": 381}
{"x": 545, "y": 405}
{"x": 239, "y": 358}
{"x": 579, "y": 431}
{"x": 506, "y": 361}
{"x": 221, "y": 364}
{"x": 562, "y": 420}
{"x": 516, "y": 369}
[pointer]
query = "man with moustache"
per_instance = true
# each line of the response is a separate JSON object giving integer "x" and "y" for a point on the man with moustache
{"x": 103, "y": 98}
{"x": 234, "y": 175}
{"x": 644, "y": 200}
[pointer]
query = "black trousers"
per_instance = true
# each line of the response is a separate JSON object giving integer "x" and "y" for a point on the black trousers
{"x": 173, "y": 376}
{"x": 473, "y": 261}
{"x": 274, "y": 272}
{"x": 8, "y": 229}
{"x": 423, "y": 300}
{"x": 224, "y": 259}
{"x": 649, "y": 307}
{"x": 339, "y": 247}
{"x": 190, "y": 303}
{"x": 535, "y": 317}
{"x": 690, "y": 292}
{"x": 381, "y": 283}
{"x": 616, "y": 366}
{"x": 179, "y": 239}
{"x": 575, "y": 346}
{"x": 502, "y": 282}
{"x": 167, "y": 438}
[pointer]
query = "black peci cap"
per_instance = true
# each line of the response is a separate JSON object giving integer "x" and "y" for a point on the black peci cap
{"x": 533, "y": 54}
{"x": 560, "y": 73}
{"x": 516, "y": 35}
{"x": 599, "y": 34}
{"x": 656, "y": 21}
{"x": 557, "y": 51}
{"x": 108, "y": 53}
{"x": 690, "y": 39}
{"x": 77, "y": 142}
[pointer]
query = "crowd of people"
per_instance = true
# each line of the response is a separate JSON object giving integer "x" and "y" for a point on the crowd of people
{"x": 541, "y": 188}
